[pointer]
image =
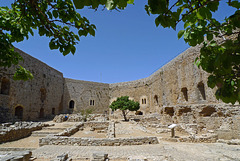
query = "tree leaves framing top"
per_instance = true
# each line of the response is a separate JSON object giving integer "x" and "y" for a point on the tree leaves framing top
{"x": 52, "y": 18}
{"x": 55, "y": 18}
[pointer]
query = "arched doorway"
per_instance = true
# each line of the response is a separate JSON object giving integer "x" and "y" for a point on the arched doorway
{"x": 19, "y": 112}
{"x": 41, "y": 115}
{"x": 71, "y": 104}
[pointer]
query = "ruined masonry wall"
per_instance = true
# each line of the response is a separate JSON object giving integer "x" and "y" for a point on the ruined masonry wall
{"x": 97, "y": 141}
{"x": 44, "y": 91}
{"x": 166, "y": 86}
{"x": 82, "y": 92}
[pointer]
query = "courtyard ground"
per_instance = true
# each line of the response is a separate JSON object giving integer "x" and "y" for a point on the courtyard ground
{"x": 162, "y": 151}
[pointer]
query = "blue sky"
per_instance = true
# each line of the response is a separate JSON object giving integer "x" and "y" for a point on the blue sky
{"x": 127, "y": 46}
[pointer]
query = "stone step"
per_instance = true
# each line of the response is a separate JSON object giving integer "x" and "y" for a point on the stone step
{"x": 15, "y": 149}
{"x": 43, "y": 134}
{"x": 52, "y": 128}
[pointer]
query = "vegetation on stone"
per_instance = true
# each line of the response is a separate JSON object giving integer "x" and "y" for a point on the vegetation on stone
{"x": 125, "y": 104}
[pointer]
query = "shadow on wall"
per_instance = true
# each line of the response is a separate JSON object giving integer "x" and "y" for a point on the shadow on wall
{"x": 68, "y": 104}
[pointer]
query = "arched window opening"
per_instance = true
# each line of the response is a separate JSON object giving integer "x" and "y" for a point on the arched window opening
{"x": 41, "y": 115}
{"x": 71, "y": 104}
{"x": 144, "y": 101}
{"x": 19, "y": 112}
{"x": 156, "y": 100}
{"x": 185, "y": 93}
{"x": 202, "y": 90}
{"x": 5, "y": 86}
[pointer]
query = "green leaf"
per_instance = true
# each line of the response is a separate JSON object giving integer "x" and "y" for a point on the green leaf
{"x": 209, "y": 36}
{"x": 235, "y": 4}
{"x": 79, "y": 4}
{"x": 73, "y": 50}
{"x": 55, "y": 13}
{"x": 180, "y": 33}
{"x": 130, "y": 1}
{"x": 213, "y": 5}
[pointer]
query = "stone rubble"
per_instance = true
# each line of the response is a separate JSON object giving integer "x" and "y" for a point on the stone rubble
{"x": 18, "y": 130}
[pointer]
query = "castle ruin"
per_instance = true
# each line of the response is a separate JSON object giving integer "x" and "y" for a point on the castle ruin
{"x": 178, "y": 92}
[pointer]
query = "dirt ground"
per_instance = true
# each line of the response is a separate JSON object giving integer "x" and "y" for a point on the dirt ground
{"x": 161, "y": 151}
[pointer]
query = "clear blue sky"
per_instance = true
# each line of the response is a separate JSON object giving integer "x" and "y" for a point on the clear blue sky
{"x": 127, "y": 46}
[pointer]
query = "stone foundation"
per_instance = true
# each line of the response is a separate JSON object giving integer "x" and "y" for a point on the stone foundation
{"x": 97, "y": 141}
{"x": 18, "y": 130}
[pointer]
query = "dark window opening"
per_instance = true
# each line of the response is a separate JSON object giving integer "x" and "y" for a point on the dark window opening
{"x": 144, "y": 101}
{"x": 139, "y": 113}
{"x": 19, "y": 112}
{"x": 185, "y": 93}
{"x": 202, "y": 90}
{"x": 53, "y": 111}
{"x": 156, "y": 100}
{"x": 71, "y": 104}
{"x": 169, "y": 111}
{"x": 5, "y": 86}
{"x": 207, "y": 111}
{"x": 92, "y": 102}
{"x": 41, "y": 115}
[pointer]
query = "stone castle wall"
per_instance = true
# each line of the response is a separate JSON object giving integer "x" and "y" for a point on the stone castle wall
{"x": 40, "y": 97}
{"x": 85, "y": 95}
{"x": 179, "y": 82}
{"x": 167, "y": 91}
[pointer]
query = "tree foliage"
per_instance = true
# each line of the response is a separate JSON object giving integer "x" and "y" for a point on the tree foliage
{"x": 220, "y": 40}
{"x": 124, "y": 104}
{"x": 52, "y": 18}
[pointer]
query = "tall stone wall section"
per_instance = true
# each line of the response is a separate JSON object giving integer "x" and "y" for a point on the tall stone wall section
{"x": 40, "y": 97}
{"x": 85, "y": 95}
{"x": 179, "y": 82}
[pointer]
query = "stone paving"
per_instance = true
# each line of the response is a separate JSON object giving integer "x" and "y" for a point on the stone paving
{"x": 162, "y": 151}
{"x": 169, "y": 151}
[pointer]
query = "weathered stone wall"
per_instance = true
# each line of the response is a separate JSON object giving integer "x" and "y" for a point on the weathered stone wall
{"x": 97, "y": 141}
{"x": 179, "y": 82}
{"x": 85, "y": 96}
{"x": 18, "y": 130}
{"x": 40, "y": 97}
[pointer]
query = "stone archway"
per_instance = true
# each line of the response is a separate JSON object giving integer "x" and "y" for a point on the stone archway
{"x": 71, "y": 104}
{"x": 19, "y": 112}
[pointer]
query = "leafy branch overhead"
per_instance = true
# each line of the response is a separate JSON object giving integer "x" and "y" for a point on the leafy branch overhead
{"x": 58, "y": 19}
{"x": 219, "y": 40}
{"x": 55, "y": 19}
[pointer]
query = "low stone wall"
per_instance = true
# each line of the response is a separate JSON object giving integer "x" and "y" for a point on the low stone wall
{"x": 97, "y": 125}
{"x": 17, "y": 156}
{"x": 80, "y": 118}
{"x": 70, "y": 131}
{"x": 97, "y": 141}
{"x": 111, "y": 130}
{"x": 210, "y": 138}
{"x": 19, "y": 130}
